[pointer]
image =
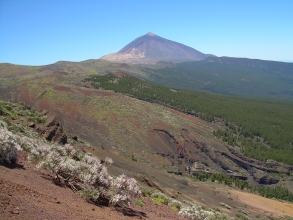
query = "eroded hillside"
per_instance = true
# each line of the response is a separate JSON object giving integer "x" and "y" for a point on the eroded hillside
{"x": 151, "y": 142}
{"x": 151, "y": 134}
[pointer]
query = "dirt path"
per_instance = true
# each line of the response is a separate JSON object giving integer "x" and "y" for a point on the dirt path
{"x": 264, "y": 205}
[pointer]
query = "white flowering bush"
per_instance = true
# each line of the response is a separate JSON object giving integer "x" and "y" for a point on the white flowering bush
{"x": 83, "y": 172}
{"x": 123, "y": 189}
{"x": 194, "y": 212}
{"x": 197, "y": 212}
{"x": 8, "y": 145}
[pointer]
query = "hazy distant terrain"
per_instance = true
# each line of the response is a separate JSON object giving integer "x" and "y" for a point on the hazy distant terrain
{"x": 229, "y": 76}
{"x": 220, "y": 75}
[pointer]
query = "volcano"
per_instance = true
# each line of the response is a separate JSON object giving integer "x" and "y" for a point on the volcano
{"x": 150, "y": 49}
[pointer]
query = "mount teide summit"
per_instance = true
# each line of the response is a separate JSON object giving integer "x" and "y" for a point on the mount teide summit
{"x": 150, "y": 49}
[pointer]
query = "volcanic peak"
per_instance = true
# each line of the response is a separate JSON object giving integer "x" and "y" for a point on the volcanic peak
{"x": 150, "y": 34}
{"x": 151, "y": 48}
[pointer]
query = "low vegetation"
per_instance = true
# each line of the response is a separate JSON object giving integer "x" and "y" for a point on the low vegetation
{"x": 21, "y": 114}
{"x": 276, "y": 192}
{"x": 200, "y": 213}
{"x": 81, "y": 171}
{"x": 9, "y": 147}
{"x": 228, "y": 76}
{"x": 185, "y": 209}
{"x": 260, "y": 127}
{"x": 139, "y": 203}
{"x": 86, "y": 174}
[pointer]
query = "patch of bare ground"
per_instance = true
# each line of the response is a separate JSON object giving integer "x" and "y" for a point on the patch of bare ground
{"x": 96, "y": 92}
{"x": 233, "y": 202}
{"x": 263, "y": 205}
{"x": 27, "y": 193}
{"x": 193, "y": 119}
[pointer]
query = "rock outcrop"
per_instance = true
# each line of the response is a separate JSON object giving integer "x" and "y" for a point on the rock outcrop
{"x": 266, "y": 180}
{"x": 52, "y": 130}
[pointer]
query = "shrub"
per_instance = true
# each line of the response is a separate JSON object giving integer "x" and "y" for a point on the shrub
{"x": 2, "y": 124}
{"x": 195, "y": 212}
{"x": 145, "y": 192}
{"x": 225, "y": 205}
{"x": 81, "y": 171}
{"x": 244, "y": 217}
{"x": 123, "y": 188}
{"x": 160, "y": 198}
{"x": 134, "y": 158}
{"x": 12, "y": 115}
{"x": 159, "y": 201}
{"x": 139, "y": 203}
{"x": 31, "y": 119}
{"x": 2, "y": 111}
{"x": 175, "y": 208}
{"x": 90, "y": 194}
{"x": 175, "y": 204}
{"x": 200, "y": 213}
{"x": 219, "y": 216}
{"x": 8, "y": 145}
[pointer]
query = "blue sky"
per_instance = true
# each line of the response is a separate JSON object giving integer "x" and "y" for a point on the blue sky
{"x": 39, "y": 32}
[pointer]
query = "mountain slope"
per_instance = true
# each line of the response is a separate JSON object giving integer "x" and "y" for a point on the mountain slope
{"x": 220, "y": 75}
{"x": 144, "y": 139}
{"x": 228, "y": 76}
{"x": 151, "y": 48}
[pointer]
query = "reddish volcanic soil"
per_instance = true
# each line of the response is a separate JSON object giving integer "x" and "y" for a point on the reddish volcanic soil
{"x": 27, "y": 193}
{"x": 121, "y": 74}
{"x": 96, "y": 92}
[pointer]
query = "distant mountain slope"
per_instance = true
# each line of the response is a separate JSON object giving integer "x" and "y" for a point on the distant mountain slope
{"x": 22, "y": 73}
{"x": 229, "y": 76}
{"x": 151, "y": 48}
{"x": 221, "y": 75}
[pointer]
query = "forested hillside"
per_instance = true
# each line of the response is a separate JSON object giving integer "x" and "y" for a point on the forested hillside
{"x": 228, "y": 76}
{"x": 262, "y": 128}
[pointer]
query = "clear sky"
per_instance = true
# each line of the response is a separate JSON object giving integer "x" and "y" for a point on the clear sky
{"x": 39, "y": 32}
